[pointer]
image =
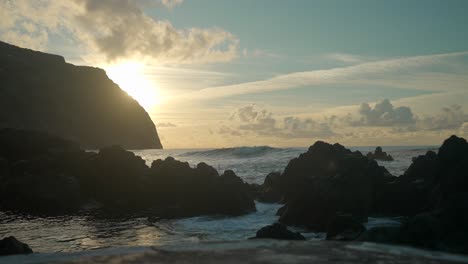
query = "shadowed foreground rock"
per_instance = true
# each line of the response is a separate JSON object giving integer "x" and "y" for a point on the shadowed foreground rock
{"x": 325, "y": 181}
{"x": 278, "y": 231}
{"x": 11, "y": 246}
{"x": 270, "y": 190}
{"x": 281, "y": 252}
{"x": 44, "y": 174}
{"x": 330, "y": 180}
{"x": 442, "y": 181}
{"x": 344, "y": 228}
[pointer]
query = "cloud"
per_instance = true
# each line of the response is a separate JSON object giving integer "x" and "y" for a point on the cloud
{"x": 229, "y": 131}
{"x": 260, "y": 53}
{"x": 115, "y": 29}
{"x": 452, "y": 117}
{"x": 171, "y": 3}
{"x": 254, "y": 119}
{"x": 29, "y": 23}
{"x": 251, "y": 119}
{"x": 402, "y": 119}
{"x": 166, "y": 124}
{"x": 384, "y": 114}
{"x": 356, "y": 74}
{"x": 345, "y": 57}
{"x": 464, "y": 129}
{"x": 305, "y": 128}
{"x": 131, "y": 33}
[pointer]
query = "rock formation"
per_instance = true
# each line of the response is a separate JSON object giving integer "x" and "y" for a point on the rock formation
{"x": 379, "y": 155}
{"x": 11, "y": 246}
{"x": 48, "y": 175}
{"x": 270, "y": 190}
{"x": 326, "y": 181}
{"x": 344, "y": 228}
{"x": 42, "y": 92}
{"x": 445, "y": 225}
{"x": 278, "y": 231}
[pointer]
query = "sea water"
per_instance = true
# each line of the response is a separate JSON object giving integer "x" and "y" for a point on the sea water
{"x": 84, "y": 233}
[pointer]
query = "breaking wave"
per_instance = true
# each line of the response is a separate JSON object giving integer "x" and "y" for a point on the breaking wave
{"x": 238, "y": 152}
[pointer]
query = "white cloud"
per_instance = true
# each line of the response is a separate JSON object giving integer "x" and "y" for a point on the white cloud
{"x": 402, "y": 119}
{"x": 452, "y": 117}
{"x": 345, "y": 57}
{"x": 306, "y": 128}
{"x": 113, "y": 30}
{"x": 384, "y": 114}
{"x": 252, "y": 119}
{"x": 360, "y": 73}
{"x": 171, "y": 3}
{"x": 256, "y": 53}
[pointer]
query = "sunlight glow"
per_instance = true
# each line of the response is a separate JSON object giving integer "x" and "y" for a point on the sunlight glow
{"x": 131, "y": 78}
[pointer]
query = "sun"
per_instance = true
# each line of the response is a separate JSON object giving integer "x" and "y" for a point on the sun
{"x": 131, "y": 78}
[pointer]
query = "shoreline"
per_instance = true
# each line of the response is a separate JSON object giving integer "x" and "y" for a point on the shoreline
{"x": 258, "y": 251}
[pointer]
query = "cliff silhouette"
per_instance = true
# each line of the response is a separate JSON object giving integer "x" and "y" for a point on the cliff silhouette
{"x": 40, "y": 91}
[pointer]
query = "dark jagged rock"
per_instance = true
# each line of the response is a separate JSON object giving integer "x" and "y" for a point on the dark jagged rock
{"x": 344, "y": 228}
{"x": 453, "y": 174}
{"x": 4, "y": 171}
{"x": 114, "y": 177}
{"x": 42, "y": 92}
{"x": 445, "y": 227}
{"x": 18, "y": 144}
{"x": 198, "y": 189}
{"x": 278, "y": 231}
{"x": 41, "y": 175}
{"x": 413, "y": 192}
{"x": 438, "y": 181}
{"x": 453, "y": 150}
{"x": 325, "y": 181}
{"x": 11, "y": 246}
{"x": 47, "y": 175}
{"x": 379, "y": 155}
{"x": 270, "y": 191}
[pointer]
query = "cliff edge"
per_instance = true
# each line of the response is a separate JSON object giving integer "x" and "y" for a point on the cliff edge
{"x": 40, "y": 91}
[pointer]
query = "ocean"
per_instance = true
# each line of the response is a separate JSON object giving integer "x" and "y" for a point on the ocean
{"x": 68, "y": 234}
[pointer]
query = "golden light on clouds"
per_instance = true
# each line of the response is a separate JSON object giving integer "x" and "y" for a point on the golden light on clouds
{"x": 131, "y": 78}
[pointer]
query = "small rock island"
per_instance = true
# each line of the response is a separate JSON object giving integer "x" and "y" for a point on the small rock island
{"x": 379, "y": 154}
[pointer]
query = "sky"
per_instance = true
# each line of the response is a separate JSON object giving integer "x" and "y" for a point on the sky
{"x": 214, "y": 73}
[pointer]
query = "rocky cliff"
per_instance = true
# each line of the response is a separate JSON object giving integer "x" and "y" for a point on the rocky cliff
{"x": 42, "y": 92}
